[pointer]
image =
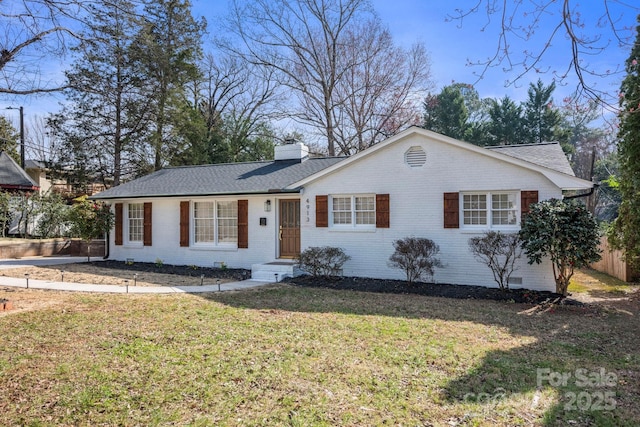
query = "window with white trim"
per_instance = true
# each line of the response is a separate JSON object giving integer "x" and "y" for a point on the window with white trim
{"x": 227, "y": 222}
{"x": 353, "y": 211}
{"x": 490, "y": 209}
{"x": 215, "y": 222}
{"x": 135, "y": 222}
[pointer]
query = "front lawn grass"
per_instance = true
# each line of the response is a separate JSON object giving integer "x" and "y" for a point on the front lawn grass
{"x": 590, "y": 281}
{"x": 285, "y": 355}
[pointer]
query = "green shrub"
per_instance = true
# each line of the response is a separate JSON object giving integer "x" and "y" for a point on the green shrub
{"x": 416, "y": 256}
{"x": 564, "y": 231}
{"x": 323, "y": 261}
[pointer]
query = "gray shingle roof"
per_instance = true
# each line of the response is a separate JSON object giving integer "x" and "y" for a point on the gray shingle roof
{"x": 13, "y": 176}
{"x": 228, "y": 178}
{"x": 34, "y": 164}
{"x": 547, "y": 154}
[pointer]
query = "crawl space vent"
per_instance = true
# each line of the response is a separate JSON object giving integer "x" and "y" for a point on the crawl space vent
{"x": 415, "y": 157}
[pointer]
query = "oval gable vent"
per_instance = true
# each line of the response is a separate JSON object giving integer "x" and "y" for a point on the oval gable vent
{"x": 415, "y": 157}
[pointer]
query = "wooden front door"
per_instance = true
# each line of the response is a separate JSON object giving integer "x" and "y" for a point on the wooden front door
{"x": 289, "y": 231}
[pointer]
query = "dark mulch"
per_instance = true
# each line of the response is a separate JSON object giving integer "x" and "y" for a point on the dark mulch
{"x": 179, "y": 270}
{"x": 428, "y": 289}
{"x": 350, "y": 283}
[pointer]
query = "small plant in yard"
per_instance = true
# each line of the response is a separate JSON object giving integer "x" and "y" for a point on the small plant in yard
{"x": 90, "y": 220}
{"x": 6, "y": 216}
{"x": 159, "y": 263}
{"x": 566, "y": 232}
{"x": 499, "y": 251}
{"x": 416, "y": 256}
{"x": 322, "y": 261}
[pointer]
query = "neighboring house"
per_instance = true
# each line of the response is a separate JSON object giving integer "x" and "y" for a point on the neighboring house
{"x": 41, "y": 174}
{"x": 15, "y": 181}
{"x": 416, "y": 183}
{"x": 38, "y": 173}
{"x": 13, "y": 178}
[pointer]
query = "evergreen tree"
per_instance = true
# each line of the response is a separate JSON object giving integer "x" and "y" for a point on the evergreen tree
{"x": 505, "y": 124}
{"x": 446, "y": 113}
{"x": 626, "y": 230}
{"x": 9, "y": 139}
{"x": 105, "y": 117}
{"x": 168, "y": 48}
{"x": 540, "y": 116}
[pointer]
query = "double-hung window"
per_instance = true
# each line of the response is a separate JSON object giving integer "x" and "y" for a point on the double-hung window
{"x": 490, "y": 210}
{"x": 355, "y": 211}
{"x": 135, "y": 222}
{"x": 227, "y": 215}
{"x": 215, "y": 222}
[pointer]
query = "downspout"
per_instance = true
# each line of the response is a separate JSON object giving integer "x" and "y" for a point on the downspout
{"x": 106, "y": 247}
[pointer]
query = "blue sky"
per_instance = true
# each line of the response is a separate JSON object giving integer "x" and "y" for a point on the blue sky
{"x": 450, "y": 46}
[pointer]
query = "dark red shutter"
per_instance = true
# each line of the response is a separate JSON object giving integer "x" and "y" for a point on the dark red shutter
{"x": 451, "y": 210}
{"x": 118, "y": 236}
{"x": 322, "y": 211}
{"x": 382, "y": 211}
{"x": 146, "y": 231}
{"x": 243, "y": 223}
{"x": 527, "y": 198}
{"x": 184, "y": 223}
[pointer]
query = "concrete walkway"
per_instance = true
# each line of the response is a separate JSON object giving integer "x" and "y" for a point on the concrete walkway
{"x": 19, "y": 282}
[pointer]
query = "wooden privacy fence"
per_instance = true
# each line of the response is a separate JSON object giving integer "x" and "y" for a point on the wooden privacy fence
{"x": 613, "y": 264}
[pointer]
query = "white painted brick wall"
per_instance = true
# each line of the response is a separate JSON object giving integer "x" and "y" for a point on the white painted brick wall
{"x": 166, "y": 237}
{"x": 416, "y": 209}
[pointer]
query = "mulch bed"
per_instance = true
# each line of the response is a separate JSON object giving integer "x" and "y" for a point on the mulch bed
{"x": 179, "y": 270}
{"x": 429, "y": 289}
{"x": 525, "y": 296}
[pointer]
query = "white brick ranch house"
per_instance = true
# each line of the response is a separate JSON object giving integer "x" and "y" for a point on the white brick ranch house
{"x": 416, "y": 183}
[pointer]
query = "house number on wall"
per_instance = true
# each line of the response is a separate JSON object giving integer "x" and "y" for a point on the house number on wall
{"x": 307, "y": 210}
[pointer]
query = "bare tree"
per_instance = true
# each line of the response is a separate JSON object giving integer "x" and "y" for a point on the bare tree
{"x": 548, "y": 23}
{"x": 37, "y": 139}
{"x": 314, "y": 48}
{"x": 243, "y": 92}
{"x": 382, "y": 90}
{"x": 235, "y": 101}
{"x": 34, "y": 32}
{"x": 498, "y": 251}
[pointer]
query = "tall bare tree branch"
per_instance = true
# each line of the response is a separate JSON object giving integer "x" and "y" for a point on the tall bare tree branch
{"x": 547, "y": 24}
{"x": 36, "y": 33}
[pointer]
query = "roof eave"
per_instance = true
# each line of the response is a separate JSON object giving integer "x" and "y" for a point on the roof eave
{"x": 567, "y": 182}
{"x": 234, "y": 193}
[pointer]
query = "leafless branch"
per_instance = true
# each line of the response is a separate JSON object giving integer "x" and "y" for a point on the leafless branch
{"x": 548, "y": 24}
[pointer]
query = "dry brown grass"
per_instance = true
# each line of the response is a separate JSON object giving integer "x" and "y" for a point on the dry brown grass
{"x": 90, "y": 273}
{"x": 285, "y": 355}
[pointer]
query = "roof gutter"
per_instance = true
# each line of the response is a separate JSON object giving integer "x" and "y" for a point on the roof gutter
{"x": 587, "y": 194}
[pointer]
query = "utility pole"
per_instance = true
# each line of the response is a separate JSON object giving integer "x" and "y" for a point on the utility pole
{"x": 22, "y": 137}
{"x": 21, "y": 133}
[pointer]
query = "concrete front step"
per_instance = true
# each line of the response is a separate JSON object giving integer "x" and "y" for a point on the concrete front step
{"x": 274, "y": 271}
